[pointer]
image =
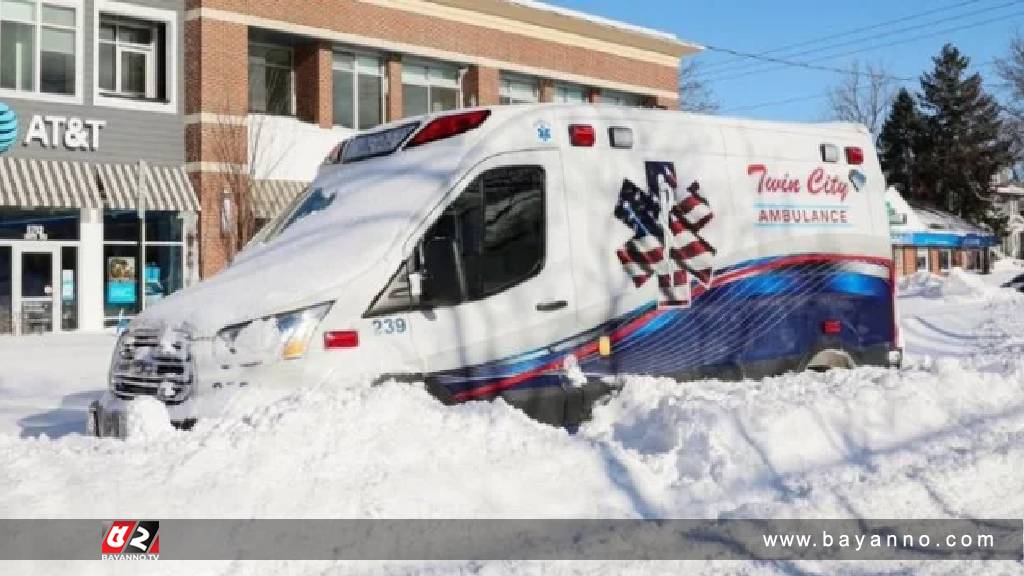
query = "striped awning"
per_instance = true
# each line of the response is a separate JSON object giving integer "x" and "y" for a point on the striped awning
{"x": 270, "y": 197}
{"x": 33, "y": 183}
{"x": 167, "y": 188}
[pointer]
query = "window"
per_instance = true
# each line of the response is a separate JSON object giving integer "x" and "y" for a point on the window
{"x": 130, "y": 53}
{"x": 489, "y": 240}
{"x": 55, "y": 224}
{"x": 358, "y": 91}
{"x": 897, "y": 259}
{"x": 38, "y": 47}
{"x": 944, "y": 257}
{"x": 922, "y": 259}
{"x": 570, "y": 94}
{"x": 164, "y": 271}
{"x": 519, "y": 90}
{"x": 429, "y": 88}
{"x": 621, "y": 98}
{"x": 271, "y": 89}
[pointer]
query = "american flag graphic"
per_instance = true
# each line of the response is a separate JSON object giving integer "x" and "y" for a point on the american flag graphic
{"x": 684, "y": 251}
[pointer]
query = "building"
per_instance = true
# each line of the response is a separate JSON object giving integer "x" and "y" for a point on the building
{"x": 91, "y": 125}
{"x": 273, "y": 85}
{"x": 926, "y": 238}
{"x": 1009, "y": 196}
{"x": 191, "y": 116}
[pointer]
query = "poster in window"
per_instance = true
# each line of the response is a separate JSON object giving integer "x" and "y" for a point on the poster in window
{"x": 121, "y": 280}
{"x": 154, "y": 289}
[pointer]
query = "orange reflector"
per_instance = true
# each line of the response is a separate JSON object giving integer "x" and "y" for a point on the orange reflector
{"x": 831, "y": 327}
{"x": 341, "y": 339}
{"x": 604, "y": 346}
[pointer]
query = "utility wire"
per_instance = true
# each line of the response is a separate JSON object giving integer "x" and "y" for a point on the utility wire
{"x": 707, "y": 75}
{"x": 810, "y": 63}
{"x": 788, "y": 47}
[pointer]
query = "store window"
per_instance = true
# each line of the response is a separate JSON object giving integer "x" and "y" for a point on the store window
{"x": 429, "y": 88}
{"x": 271, "y": 80}
{"x": 621, "y": 98}
{"x": 38, "y": 224}
{"x": 163, "y": 271}
{"x": 897, "y": 259}
{"x": 519, "y": 90}
{"x": 358, "y": 91}
{"x": 131, "y": 57}
{"x": 38, "y": 47}
{"x": 944, "y": 260}
{"x": 69, "y": 288}
{"x": 922, "y": 259}
{"x": 570, "y": 94}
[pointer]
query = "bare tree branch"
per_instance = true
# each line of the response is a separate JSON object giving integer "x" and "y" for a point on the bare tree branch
{"x": 863, "y": 97}
{"x": 694, "y": 94}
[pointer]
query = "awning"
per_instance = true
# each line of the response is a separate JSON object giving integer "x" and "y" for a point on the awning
{"x": 270, "y": 197}
{"x": 32, "y": 183}
{"x": 168, "y": 187}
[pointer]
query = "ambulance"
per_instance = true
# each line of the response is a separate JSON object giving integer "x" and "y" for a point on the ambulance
{"x": 539, "y": 254}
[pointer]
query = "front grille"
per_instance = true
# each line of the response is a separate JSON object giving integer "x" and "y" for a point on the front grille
{"x": 150, "y": 362}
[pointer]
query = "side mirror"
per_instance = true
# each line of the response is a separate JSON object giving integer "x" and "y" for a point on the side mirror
{"x": 416, "y": 285}
{"x": 444, "y": 282}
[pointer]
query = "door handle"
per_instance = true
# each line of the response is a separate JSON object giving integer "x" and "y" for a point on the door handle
{"x": 551, "y": 306}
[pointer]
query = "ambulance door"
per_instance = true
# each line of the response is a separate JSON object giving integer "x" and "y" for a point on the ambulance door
{"x": 497, "y": 288}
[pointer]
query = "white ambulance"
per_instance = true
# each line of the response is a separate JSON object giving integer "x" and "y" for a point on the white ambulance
{"x": 537, "y": 253}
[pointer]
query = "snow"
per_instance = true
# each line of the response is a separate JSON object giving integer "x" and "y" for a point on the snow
{"x": 943, "y": 437}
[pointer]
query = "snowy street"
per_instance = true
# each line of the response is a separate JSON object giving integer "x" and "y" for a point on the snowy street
{"x": 944, "y": 437}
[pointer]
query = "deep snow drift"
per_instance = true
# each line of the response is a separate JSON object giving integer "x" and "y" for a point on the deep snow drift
{"x": 943, "y": 437}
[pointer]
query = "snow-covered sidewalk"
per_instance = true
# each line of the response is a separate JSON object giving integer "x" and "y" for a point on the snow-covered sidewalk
{"x": 943, "y": 437}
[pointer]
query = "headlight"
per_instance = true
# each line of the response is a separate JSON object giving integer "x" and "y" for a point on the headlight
{"x": 282, "y": 336}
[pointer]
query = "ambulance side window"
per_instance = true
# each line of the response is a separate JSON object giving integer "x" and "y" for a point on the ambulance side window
{"x": 488, "y": 240}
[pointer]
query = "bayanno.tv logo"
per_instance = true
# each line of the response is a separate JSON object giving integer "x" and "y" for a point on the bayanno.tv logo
{"x": 131, "y": 540}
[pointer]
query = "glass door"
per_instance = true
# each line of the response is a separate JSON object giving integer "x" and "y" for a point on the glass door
{"x": 36, "y": 307}
{"x": 6, "y": 290}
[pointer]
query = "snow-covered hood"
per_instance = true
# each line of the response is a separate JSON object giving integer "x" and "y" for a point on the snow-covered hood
{"x": 346, "y": 252}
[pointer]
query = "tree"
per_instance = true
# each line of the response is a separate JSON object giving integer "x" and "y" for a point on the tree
{"x": 862, "y": 96}
{"x": 963, "y": 144}
{"x": 897, "y": 143}
{"x": 694, "y": 93}
{"x": 1011, "y": 70}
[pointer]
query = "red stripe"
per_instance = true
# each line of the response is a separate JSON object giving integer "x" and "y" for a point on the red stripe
{"x": 688, "y": 204}
{"x": 580, "y": 353}
{"x": 691, "y": 250}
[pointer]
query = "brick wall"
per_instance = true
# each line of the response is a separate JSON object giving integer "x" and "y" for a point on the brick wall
{"x": 313, "y": 83}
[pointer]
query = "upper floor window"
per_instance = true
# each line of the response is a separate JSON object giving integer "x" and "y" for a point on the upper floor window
{"x": 38, "y": 47}
{"x": 358, "y": 91}
{"x": 621, "y": 98}
{"x": 570, "y": 94}
{"x": 519, "y": 90}
{"x": 129, "y": 58}
{"x": 271, "y": 74}
{"x": 428, "y": 88}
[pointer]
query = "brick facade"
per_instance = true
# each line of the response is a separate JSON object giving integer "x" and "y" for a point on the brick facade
{"x": 217, "y": 34}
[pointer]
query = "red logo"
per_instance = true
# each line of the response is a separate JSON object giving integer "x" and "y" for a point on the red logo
{"x": 131, "y": 539}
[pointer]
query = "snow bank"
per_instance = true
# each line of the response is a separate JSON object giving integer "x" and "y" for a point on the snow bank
{"x": 958, "y": 286}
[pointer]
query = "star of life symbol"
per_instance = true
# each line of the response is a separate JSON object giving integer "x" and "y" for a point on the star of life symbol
{"x": 673, "y": 257}
{"x": 543, "y": 131}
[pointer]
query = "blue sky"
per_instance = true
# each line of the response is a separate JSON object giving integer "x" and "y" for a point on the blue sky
{"x": 984, "y": 29}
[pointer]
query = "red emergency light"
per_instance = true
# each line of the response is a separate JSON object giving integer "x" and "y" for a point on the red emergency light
{"x": 854, "y": 155}
{"x": 582, "y": 135}
{"x": 448, "y": 126}
{"x": 831, "y": 327}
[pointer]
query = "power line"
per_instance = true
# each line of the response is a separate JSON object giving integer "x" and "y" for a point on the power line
{"x": 732, "y": 70}
{"x": 810, "y": 63}
{"x": 794, "y": 63}
{"x": 812, "y": 41}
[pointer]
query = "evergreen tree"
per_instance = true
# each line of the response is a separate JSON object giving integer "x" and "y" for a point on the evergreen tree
{"x": 898, "y": 141}
{"x": 962, "y": 145}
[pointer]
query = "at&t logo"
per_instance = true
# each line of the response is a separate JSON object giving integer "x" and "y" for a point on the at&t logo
{"x": 8, "y": 127}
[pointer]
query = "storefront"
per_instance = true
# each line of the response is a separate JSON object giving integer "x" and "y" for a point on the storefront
{"x": 97, "y": 213}
{"x": 925, "y": 238}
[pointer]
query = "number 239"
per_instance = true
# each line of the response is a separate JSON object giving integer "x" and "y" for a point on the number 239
{"x": 388, "y": 326}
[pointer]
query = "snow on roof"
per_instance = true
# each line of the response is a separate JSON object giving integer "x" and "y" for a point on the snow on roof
{"x": 536, "y": 5}
{"x": 1010, "y": 190}
{"x": 922, "y": 218}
